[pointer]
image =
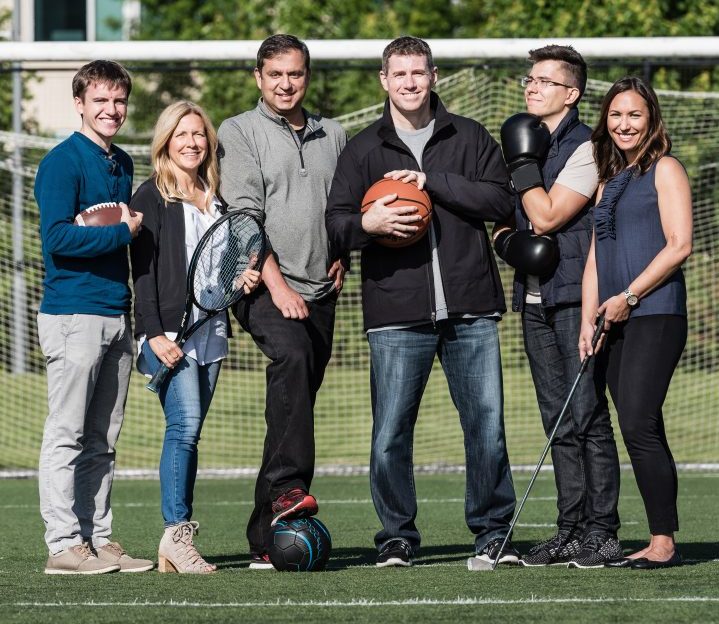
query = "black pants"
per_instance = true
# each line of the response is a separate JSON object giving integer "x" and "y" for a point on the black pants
{"x": 584, "y": 454}
{"x": 299, "y": 352}
{"x": 641, "y": 357}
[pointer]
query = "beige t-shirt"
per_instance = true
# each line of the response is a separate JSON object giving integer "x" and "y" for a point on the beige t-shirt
{"x": 579, "y": 174}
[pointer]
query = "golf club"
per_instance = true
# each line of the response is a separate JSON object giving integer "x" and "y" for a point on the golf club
{"x": 473, "y": 563}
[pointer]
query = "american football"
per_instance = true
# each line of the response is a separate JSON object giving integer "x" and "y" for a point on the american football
{"x": 106, "y": 213}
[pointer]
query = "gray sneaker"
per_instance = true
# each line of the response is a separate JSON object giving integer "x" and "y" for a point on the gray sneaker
{"x": 114, "y": 553}
{"x": 557, "y": 550}
{"x": 78, "y": 560}
{"x": 597, "y": 549}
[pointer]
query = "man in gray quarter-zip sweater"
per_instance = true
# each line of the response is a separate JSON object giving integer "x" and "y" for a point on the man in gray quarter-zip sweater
{"x": 277, "y": 162}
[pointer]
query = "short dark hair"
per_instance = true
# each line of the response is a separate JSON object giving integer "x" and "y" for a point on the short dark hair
{"x": 281, "y": 44}
{"x": 407, "y": 46}
{"x": 101, "y": 72}
{"x": 609, "y": 158}
{"x": 573, "y": 62}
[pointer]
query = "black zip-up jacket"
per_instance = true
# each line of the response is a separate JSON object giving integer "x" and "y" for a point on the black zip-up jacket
{"x": 468, "y": 184}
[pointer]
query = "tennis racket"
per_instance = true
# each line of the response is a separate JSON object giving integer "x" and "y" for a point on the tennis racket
{"x": 232, "y": 244}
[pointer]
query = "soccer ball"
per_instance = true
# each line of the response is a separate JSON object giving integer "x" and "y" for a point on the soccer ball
{"x": 300, "y": 545}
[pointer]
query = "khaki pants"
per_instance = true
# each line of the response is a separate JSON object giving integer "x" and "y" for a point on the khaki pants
{"x": 88, "y": 359}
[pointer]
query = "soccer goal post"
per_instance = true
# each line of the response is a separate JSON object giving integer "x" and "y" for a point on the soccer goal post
{"x": 481, "y": 82}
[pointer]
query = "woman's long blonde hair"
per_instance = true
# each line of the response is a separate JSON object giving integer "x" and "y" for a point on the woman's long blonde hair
{"x": 208, "y": 172}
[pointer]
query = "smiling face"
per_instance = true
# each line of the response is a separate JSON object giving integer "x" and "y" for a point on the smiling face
{"x": 628, "y": 122}
{"x": 408, "y": 82}
{"x": 551, "y": 102}
{"x": 187, "y": 148}
{"x": 103, "y": 108}
{"x": 283, "y": 82}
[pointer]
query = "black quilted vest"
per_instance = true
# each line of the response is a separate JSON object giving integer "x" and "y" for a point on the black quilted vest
{"x": 564, "y": 286}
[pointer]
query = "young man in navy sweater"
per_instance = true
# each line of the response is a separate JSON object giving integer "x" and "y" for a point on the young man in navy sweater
{"x": 84, "y": 327}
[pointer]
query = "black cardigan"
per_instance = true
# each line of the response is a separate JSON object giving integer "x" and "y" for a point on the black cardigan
{"x": 159, "y": 263}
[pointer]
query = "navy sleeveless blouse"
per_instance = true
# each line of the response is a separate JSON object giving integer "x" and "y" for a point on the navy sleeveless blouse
{"x": 625, "y": 249}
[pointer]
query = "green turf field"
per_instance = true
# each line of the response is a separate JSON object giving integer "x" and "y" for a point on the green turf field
{"x": 438, "y": 588}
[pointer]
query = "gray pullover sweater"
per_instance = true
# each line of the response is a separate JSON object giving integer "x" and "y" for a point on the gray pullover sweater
{"x": 284, "y": 181}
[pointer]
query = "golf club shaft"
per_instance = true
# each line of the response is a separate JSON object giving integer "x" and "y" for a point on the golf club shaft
{"x": 585, "y": 362}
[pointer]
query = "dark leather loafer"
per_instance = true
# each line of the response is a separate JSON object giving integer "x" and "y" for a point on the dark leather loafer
{"x": 620, "y": 562}
{"x": 647, "y": 564}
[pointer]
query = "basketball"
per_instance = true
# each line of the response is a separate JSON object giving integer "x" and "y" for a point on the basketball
{"x": 107, "y": 213}
{"x": 407, "y": 195}
{"x": 300, "y": 545}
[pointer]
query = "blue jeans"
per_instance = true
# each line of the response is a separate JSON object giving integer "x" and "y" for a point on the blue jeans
{"x": 185, "y": 398}
{"x": 401, "y": 361}
{"x": 586, "y": 465}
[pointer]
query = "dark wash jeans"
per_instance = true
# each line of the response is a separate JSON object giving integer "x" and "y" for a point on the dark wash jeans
{"x": 401, "y": 361}
{"x": 299, "y": 352}
{"x": 584, "y": 454}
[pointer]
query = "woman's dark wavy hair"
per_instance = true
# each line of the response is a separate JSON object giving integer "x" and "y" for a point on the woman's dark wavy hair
{"x": 609, "y": 158}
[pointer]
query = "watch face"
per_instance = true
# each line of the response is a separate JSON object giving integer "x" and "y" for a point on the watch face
{"x": 632, "y": 300}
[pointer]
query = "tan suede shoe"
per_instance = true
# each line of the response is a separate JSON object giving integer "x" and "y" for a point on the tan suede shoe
{"x": 177, "y": 553}
{"x": 114, "y": 553}
{"x": 78, "y": 560}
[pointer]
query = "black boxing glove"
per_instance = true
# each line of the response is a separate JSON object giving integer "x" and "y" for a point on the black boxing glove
{"x": 528, "y": 252}
{"x": 525, "y": 142}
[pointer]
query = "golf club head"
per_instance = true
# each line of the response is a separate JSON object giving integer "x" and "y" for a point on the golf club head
{"x": 479, "y": 565}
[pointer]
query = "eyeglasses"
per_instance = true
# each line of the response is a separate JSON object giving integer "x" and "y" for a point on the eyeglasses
{"x": 542, "y": 83}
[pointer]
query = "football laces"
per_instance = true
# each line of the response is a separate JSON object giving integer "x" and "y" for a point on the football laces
{"x": 100, "y": 206}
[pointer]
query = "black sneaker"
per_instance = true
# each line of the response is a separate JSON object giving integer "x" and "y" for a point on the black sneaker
{"x": 597, "y": 549}
{"x": 557, "y": 550}
{"x": 396, "y": 552}
{"x": 489, "y": 553}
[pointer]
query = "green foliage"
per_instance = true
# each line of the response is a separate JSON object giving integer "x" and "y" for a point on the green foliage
{"x": 29, "y": 124}
{"x": 5, "y": 82}
{"x": 231, "y": 89}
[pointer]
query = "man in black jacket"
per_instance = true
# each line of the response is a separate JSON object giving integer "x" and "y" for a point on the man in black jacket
{"x": 440, "y": 296}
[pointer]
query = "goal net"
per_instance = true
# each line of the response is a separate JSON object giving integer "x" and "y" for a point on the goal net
{"x": 233, "y": 435}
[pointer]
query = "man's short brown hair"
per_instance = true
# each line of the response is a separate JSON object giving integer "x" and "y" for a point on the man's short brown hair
{"x": 101, "y": 72}
{"x": 407, "y": 46}
{"x": 572, "y": 62}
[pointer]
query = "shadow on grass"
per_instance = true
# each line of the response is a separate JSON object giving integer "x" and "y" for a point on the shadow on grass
{"x": 692, "y": 553}
{"x": 343, "y": 558}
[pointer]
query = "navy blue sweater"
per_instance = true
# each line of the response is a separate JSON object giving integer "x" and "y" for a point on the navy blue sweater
{"x": 86, "y": 268}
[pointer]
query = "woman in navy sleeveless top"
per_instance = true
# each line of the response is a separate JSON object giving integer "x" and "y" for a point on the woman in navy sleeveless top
{"x": 642, "y": 236}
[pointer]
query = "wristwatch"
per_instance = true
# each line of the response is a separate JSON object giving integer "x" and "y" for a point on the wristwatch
{"x": 632, "y": 299}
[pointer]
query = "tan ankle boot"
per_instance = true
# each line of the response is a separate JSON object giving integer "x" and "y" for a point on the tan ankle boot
{"x": 177, "y": 553}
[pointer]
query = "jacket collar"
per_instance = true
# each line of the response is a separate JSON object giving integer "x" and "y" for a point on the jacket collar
{"x": 570, "y": 121}
{"x": 313, "y": 121}
{"x": 442, "y": 118}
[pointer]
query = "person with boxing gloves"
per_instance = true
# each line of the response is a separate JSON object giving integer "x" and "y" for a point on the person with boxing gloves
{"x": 549, "y": 156}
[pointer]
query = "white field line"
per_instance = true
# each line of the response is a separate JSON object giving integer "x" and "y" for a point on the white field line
{"x": 410, "y": 602}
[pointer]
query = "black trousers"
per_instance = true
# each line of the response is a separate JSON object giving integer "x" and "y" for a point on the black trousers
{"x": 299, "y": 352}
{"x": 641, "y": 357}
{"x": 584, "y": 454}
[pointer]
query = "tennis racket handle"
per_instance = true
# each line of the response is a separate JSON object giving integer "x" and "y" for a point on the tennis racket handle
{"x": 158, "y": 379}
